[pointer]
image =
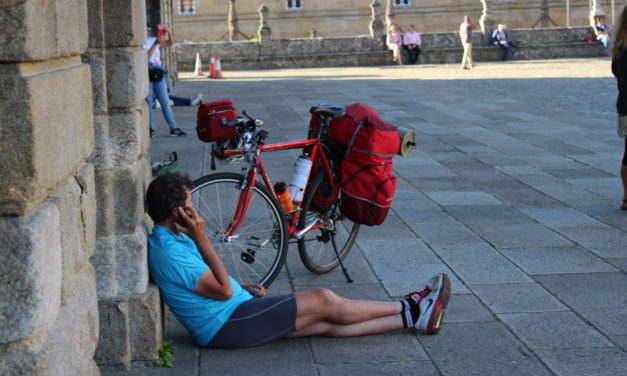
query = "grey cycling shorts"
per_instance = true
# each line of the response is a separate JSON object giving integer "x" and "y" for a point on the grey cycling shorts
{"x": 257, "y": 321}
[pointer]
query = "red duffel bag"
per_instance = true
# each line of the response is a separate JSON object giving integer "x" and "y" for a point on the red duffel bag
{"x": 211, "y": 120}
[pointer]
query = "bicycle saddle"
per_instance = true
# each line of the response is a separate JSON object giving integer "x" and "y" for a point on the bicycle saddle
{"x": 328, "y": 110}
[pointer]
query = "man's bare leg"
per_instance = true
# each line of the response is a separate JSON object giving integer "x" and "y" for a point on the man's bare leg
{"x": 330, "y": 311}
{"x": 374, "y": 326}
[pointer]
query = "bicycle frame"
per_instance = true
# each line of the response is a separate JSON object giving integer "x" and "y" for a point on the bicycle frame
{"x": 256, "y": 167}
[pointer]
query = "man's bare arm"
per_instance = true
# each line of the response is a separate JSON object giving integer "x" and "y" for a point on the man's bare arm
{"x": 214, "y": 282}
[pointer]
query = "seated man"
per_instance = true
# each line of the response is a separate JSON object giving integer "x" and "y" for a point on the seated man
{"x": 501, "y": 39}
{"x": 602, "y": 33}
{"x": 220, "y": 313}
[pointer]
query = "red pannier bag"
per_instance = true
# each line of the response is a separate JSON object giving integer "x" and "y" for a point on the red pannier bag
{"x": 211, "y": 119}
{"x": 367, "y": 182}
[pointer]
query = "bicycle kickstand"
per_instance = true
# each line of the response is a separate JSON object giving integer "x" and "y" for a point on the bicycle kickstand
{"x": 344, "y": 270}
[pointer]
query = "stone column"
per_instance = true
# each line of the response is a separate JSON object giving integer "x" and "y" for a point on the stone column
{"x": 233, "y": 30}
{"x": 376, "y": 26}
{"x": 130, "y": 328}
{"x": 487, "y": 21}
{"x": 265, "y": 32}
{"x": 595, "y": 11}
{"x": 48, "y": 309}
{"x": 390, "y": 17}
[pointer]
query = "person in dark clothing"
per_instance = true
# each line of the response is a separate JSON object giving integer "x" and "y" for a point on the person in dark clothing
{"x": 619, "y": 68}
{"x": 500, "y": 37}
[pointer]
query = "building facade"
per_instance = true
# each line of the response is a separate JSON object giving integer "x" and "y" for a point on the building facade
{"x": 207, "y": 20}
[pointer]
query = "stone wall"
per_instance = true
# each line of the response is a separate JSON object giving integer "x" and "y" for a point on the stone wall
{"x": 437, "y": 48}
{"x": 73, "y": 170}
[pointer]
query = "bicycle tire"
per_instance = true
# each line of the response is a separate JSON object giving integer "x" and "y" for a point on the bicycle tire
{"x": 315, "y": 248}
{"x": 263, "y": 228}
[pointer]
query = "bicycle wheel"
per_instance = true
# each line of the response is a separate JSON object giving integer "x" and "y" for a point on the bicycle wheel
{"x": 316, "y": 248}
{"x": 256, "y": 253}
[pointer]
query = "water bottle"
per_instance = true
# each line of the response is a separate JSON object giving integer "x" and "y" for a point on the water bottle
{"x": 283, "y": 195}
{"x": 300, "y": 178}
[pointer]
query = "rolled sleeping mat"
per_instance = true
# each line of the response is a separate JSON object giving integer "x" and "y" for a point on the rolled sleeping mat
{"x": 408, "y": 141}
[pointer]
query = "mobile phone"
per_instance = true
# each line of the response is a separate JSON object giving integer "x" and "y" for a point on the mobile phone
{"x": 179, "y": 219}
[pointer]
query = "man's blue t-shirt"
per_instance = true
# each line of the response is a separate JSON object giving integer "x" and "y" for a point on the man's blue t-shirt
{"x": 175, "y": 265}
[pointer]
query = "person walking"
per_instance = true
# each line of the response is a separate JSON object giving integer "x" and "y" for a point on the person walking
{"x": 158, "y": 76}
{"x": 465, "y": 33}
{"x": 619, "y": 69}
{"x": 412, "y": 42}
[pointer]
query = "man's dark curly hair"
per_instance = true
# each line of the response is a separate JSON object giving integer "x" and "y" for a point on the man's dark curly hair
{"x": 166, "y": 193}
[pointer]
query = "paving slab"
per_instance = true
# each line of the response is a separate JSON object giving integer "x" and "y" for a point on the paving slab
{"x": 559, "y": 260}
{"x": 553, "y": 330}
{"x": 466, "y": 308}
{"x": 518, "y": 236}
{"x": 598, "y": 362}
{"x": 387, "y": 347}
{"x": 479, "y": 263}
{"x": 422, "y": 368}
{"x": 605, "y": 308}
{"x": 515, "y": 298}
{"x": 481, "y": 349}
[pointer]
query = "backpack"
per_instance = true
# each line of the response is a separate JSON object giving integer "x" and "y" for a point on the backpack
{"x": 211, "y": 120}
{"x": 367, "y": 183}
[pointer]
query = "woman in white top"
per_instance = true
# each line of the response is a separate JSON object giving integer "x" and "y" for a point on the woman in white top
{"x": 158, "y": 79}
{"x": 394, "y": 42}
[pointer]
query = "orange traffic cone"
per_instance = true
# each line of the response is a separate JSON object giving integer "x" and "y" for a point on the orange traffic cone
{"x": 218, "y": 72}
{"x": 212, "y": 66}
{"x": 198, "y": 67}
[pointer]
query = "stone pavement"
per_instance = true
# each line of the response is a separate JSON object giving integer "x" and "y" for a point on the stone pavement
{"x": 513, "y": 191}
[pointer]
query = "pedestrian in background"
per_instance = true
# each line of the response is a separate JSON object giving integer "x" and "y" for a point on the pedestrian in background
{"x": 158, "y": 76}
{"x": 394, "y": 42}
{"x": 412, "y": 42}
{"x": 465, "y": 33}
{"x": 619, "y": 68}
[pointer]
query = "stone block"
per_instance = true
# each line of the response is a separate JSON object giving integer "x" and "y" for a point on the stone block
{"x": 102, "y": 156}
{"x": 30, "y": 273}
{"x": 121, "y": 266}
{"x": 40, "y": 29}
{"x": 120, "y": 198}
{"x": 124, "y": 23}
{"x": 131, "y": 262}
{"x": 86, "y": 179}
{"x": 96, "y": 60}
{"x": 127, "y": 77}
{"x": 27, "y": 357}
{"x": 105, "y": 265}
{"x": 127, "y": 137}
{"x": 113, "y": 341}
{"x": 38, "y": 112}
{"x": 73, "y": 340}
{"x": 67, "y": 198}
{"x": 145, "y": 324}
{"x": 95, "y": 22}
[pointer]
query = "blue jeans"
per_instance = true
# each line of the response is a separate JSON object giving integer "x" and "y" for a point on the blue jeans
{"x": 603, "y": 38}
{"x": 178, "y": 101}
{"x": 507, "y": 48}
{"x": 160, "y": 89}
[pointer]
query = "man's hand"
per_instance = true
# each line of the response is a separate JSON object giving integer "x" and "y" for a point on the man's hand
{"x": 257, "y": 290}
{"x": 195, "y": 225}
